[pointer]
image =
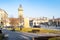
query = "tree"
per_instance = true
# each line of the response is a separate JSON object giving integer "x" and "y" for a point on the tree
{"x": 14, "y": 22}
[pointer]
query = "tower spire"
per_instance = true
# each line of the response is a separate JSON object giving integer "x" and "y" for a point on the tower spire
{"x": 20, "y": 6}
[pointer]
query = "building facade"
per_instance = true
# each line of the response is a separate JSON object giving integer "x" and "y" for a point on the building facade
{"x": 38, "y": 21}
{"x": 3, "y": 17}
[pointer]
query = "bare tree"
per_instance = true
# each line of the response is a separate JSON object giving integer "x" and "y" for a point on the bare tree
{"x": 14, "y": 22}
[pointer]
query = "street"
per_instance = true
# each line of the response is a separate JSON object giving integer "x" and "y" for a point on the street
{"x": 13, "y": 35}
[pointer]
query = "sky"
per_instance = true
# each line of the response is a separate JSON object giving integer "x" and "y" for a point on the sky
{"x": 32, "y": 8}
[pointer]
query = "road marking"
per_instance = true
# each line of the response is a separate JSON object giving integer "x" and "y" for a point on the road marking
{"x": 24, "y": 37}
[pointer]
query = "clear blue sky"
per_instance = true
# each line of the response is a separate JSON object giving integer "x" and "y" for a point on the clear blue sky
{"x": 32, "y": 8}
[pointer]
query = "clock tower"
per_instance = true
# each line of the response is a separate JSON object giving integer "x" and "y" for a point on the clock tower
{"x": 20, "y": 13}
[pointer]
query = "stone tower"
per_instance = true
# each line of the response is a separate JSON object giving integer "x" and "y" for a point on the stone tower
{"x": 20, "y": 13}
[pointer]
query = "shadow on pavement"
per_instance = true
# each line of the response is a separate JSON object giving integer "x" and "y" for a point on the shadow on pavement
{"x": 47, "y": 38}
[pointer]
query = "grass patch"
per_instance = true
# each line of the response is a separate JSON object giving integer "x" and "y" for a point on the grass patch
{"x": 26, "y": 29}
{"x": 42, "y": 30}
{"x": 49, "y": 31}
{"x": 56, "y": 38}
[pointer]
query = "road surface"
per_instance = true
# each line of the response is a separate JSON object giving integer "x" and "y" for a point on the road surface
{"x": 12, "y": 35}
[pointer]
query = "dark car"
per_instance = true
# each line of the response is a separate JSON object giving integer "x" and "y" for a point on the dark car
{"x": 35, "y": 26}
